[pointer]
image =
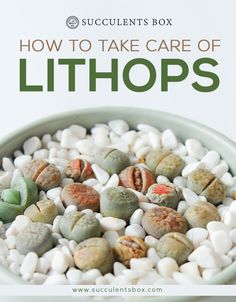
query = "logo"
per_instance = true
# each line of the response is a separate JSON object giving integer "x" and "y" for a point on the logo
{"x": 72, "y": 22}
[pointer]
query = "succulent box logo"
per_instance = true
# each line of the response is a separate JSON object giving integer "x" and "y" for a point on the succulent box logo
{"x": 72, "y": 22}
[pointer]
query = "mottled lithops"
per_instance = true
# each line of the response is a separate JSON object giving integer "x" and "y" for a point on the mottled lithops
{"x": 112, "y": 160}
{"x": 176, "y": 246}
{"x": 79, "y": 226}
{"x": 128, "y": 247}
{"x": 200, "y": 213}
{"x": 166, "y": 195}
{"x": 79, "y": 170}
{"x": 204, "y": 183}
{"x": 162, "y": 220}
{"x": 43, "y": 211}
{"x": 45, "y": 175}
{"x": 80, "y": 195}
{"x": 94, "y": 253}
{"x": 15, "y": 200}
{"x": 164, "y": 162}
{"x": 137, "y": 178}
{"x": 118, "y": 202}
{"x": 35, "y": 237}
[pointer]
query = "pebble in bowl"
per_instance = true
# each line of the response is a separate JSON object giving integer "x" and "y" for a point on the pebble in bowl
{"x": 158, "y": 203}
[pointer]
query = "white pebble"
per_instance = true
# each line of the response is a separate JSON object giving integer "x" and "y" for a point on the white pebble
{"x": 192, "y": 167}
{"x": 190, "y": 269}
{"x": 70, "y": 208}
{"x": 182, "y": 207}
{"x": 142, "y": 152}
{"x": 20, "y": 222}
{"x": 3, "y": 261}
{"x": 151, "y": 241}
{"x": 133, "y": 274}
{"x": 15, "y": 256}
{"x": 87, "y": 211}
{"x": 14, "y": 268}
{"x": 169, "y": 140}
{"x": 119, "y": 126}
{"x": 227, "y": 179}
{"x": 11, "y": 242}
{"x": 135, "y": 230}
{"x": 102, "y": 281}
{"x": 180, "y": 182}
{"x": 209, "y": 273}
{"x": 185, "y": 279}
{"x": 162, "y": 180}
{"x": 190, "y": 196}
{"x": 118, "y": 268}
{"x": 54, "y": 193}
{"x": 101, "y": 175}
{"x": 141, "y": 197}
{"x": 214, "y": 226}
{"x": 5, "y": 179}
{"x": 31, "y": 145}
{"x": 120, "y": 145}
{"x": 38, "y": 278}
{"x": 221, "y": 241}
{"x": 74, "y": 276}
{"x": 3, "y": 248}
{"x": 205, "y": 257}
{"x": 21, "y": 161}
{"x": 87, "y": 146}
{"x": 111, "y": 237}
{"x": 147, "y": 128}
{"x": 194, "y": 148}
{"x": 155, "y": 140}
{"x": 59, "y": 262}
{"x": 197, "y": 235}
{"x": 57, "y": 279}
{"x": 49, "y": 255}
{"x": 141, "y": 264}
{"x": 147, "y": 205}
{"x": 167, "y": 266}
{"x": 211, "y": 159}
{"x": 232, "y": 235}
{"x": 121, "y": 281}
{"x": 220, "y": 169}
{"x": 113, "y": 181}
{"x": 112, "y": 223}
{"x": 180, "y": 150}
{"x": 129, "y": 137}
{"x": 89, "y": 277}
{"x": 7, "y": 164}
{"x": 91, "y": 182}
{"x": 55, "y": 226}
{"x": 149, "y": 278}
{"x": 43, "y": 265}
{"x": 68, "y": 139}
{"x": 229, "y": 218}
{"x": 136, "y": 217}
{"x": 78, "y": 131}
{"x": 232, "y": 253}
{"x": 152, "y": 254}
{"x": 72, "y": 246}
{"x": 59, "y": 204}
{"x": 29, "y": 264}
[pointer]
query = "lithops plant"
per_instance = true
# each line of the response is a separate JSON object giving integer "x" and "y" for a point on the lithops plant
{"x": 164, "y": 162}
{"x": 204, "y": 183}
{"x": 79, "y": 170}
{"x": 161, "y": 220}
{"x": 137, "y": 178}
{"x": 43, "y": 211}
{"x": 16, "y": 199}
{"x": 44, "y": 174}
{"x": 112, "y": 160}
{"x": 176, "y": 246}
{"x": 167, "y": 195}
{"x": 200, "y": 213}
{"x": 118, "y": 202}
{"x": 79, "y": 226}
{"x": 80, "y": 195}
{"x": 128, "y": 247}
{"x": 35, "y": 237}
{"x": 94, "y": 253}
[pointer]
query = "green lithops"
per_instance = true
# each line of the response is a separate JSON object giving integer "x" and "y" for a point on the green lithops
{"x": 35, "y": 237}
{"x": 118, "y": 202}
{"x": 164, "y": 162}
{"x": 112, "y": 160}
{"x": 166, "y": 195}
{"x": 204, "y": 183}
{"x": 200, "y": 213}
{"x": 15, "y": 200}
{"x": 94, "y": 253}
{"x": 43, "y": 211}
{"x": 79, "y": 226}
{"x": 176, "y": 246}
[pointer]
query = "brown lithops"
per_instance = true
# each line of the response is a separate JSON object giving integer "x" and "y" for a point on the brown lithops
{"x": 79, "y": 170}
{"x": 94, "y": 253}
{"x": 44, "y": 174}
{"x": 128, "y": 247}
{"x": 199, "y": 214}
{"x": 162, "y": 220}
{"x": 80, "y": 195}
{"x": 164, "y": 162}
{"x": 137, "y": 178}
{"x": 204, "y": 183}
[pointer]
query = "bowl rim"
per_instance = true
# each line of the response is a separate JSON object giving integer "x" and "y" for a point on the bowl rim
{"x": 228, "y": 274}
